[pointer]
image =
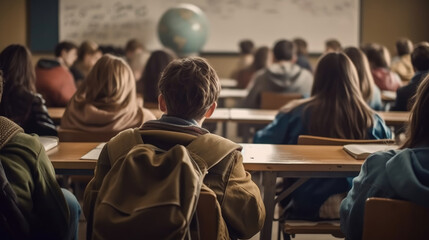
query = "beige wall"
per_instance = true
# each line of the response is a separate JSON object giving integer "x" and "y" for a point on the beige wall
{"x": 383, "y": 21}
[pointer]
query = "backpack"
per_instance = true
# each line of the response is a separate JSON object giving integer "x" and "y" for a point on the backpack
{"x": 151, "y": 193}
{"x": 12, "y": 221}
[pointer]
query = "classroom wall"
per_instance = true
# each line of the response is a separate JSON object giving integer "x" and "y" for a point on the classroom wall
{"x": 383, "y": 21}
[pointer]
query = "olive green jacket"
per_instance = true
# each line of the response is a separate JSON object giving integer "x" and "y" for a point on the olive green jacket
{"x": 32, "y": 177}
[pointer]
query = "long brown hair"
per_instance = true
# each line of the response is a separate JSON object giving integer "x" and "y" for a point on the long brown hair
{"x": 366, "y": 82}
{"x": 418, "y": 129}
{"x": 337, "y": 108}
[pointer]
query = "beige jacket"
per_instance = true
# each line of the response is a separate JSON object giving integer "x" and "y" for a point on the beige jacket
{"x": 241, "y": 206}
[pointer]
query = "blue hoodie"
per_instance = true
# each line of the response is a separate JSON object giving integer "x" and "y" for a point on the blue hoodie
{"x": 400, "y": 174}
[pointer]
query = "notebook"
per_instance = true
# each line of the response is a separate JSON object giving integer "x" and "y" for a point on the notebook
{"x": 362, "y": 151}
{"x": 94, "y": 153}
{"x": 48, "y": 142}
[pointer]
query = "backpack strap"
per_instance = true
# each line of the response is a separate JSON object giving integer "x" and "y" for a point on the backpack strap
{"x": 8, "y": 129}
{"x": 212, "y": 148}
{"x": 121, "y": 144}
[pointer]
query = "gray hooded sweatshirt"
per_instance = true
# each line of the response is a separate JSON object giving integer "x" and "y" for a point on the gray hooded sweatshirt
{"x": 402, "y": 174}
{"x": 283, "y": 77}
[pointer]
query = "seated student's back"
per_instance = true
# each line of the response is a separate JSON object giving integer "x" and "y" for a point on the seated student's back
{"x": 335, "y": 109}
{"x": 398, "y": 174}
{"x": 189, "y": 89}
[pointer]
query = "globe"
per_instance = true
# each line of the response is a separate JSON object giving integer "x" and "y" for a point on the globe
{"x": 183, "y": 29}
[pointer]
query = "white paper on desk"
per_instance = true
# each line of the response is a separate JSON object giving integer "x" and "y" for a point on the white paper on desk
{"x": 94, "y": 153}
{"x": 48, "y": 142}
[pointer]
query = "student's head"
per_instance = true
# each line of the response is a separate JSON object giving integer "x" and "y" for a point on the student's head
{"x": 284, "y": 50}
{"x": 110, "y": 81}
{"x": 132, "y": 47}
{"x": 332, "y": 45}
{"x": 17, "y": 68}
{"x": 337, "y": 104}
{"x": 418, "y": 130}
{"x": 366, "y": 82}
{"x": 190, "y": 88}
{"x": 156, "y": 63}
{"x": 261, "y": 58}
{"x": 404, "y": 46}
{"x": 301, "y": 46}
{"x": 88, "y": 53}
{"x": 246, "y": 46}
{"x": 420, "y": 57}
{"x": 378, "y": 55}
{"x": 67, "y": 52}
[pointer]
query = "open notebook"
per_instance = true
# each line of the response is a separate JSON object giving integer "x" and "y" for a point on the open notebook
{"x": 48, "y": 142}
{"x": 362, "y": 151}
{"x": 94, "y": 153}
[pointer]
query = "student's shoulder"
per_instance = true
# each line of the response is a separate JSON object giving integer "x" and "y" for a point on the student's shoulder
{"x": 25, "y": 142}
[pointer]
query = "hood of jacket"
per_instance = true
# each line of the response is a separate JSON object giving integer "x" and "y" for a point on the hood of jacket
{"x": 48, "y": 63}
{"x": 283, "y": 74}
{"x": 408, "y": 174}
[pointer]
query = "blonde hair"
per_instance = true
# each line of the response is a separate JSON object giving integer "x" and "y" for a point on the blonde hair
{"x": 337, "y": 108}
{"x": 110, "y": 82}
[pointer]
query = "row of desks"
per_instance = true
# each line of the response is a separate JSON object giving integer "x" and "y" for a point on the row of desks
{"x": 253, "y": 116}
{"x": 271, "y": 160}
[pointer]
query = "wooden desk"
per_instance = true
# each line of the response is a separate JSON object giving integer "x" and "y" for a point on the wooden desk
{"x": 228, "y": 83}
{"x": 273, "y": 161}
{"x": 56, "y": 114}
{"x": 233, "y": 93}
{"x": 219, "y": 115}
{"x": 395, "y": 118}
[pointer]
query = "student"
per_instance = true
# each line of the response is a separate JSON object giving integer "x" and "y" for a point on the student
{"x": 332, "y": 45}
{"x": 370, "y": 92}
{"x": 336, "y": 109}
{"x": 50, "y": 212}
{"x": 302, "y": 54}
{"x": 420, "y": 61}
{"x": 137, "y": 57}
{"x": 106, "y": 100}
{"x": 133, "y": 47}
{"x": 189, "y": 89}
{"x": 282, "y": 76}
{"x": 262, "y": 59}
{"x": 53, "y": 78}
{"x": 148, "y": 85}
{"x": 379, "y": 61}
{"x": 402, "y": 63}
{"x": 246, "y": 56}
{"x": 20, "y": 102}
{"x": 399, "y": 174}
{"x": 87, "y": 55}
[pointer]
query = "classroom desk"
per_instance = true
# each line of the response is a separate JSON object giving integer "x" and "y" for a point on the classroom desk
{"x": 298, "y": 161}
{"x": 56, "y": 114}
{"x": 228, "y": 83}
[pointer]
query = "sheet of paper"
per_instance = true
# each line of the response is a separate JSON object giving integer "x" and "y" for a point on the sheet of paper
{"x": 94, "y": 153}
{"x": 48, "y": 142}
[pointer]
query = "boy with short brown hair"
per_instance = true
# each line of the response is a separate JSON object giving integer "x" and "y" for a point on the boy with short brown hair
{"x": 189, "y": 89}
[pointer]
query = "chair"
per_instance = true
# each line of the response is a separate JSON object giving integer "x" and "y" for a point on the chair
{"x": 68, "y": 135}
{"x": 291, "y": 227}
{"x": 207, "y": 215}
{"x": 394, "y": 219}
{"x": 273, "y": 100}
{"x": 315, "y": 140}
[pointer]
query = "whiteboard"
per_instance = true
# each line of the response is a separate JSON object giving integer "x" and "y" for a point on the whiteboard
{"x": 114, "y": 22}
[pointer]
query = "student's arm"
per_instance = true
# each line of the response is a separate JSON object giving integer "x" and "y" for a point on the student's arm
{"x": 371, "y": 182}
{"x": 380, "y": 130}
{"x": 242, "y": 205}
{"x": 49, "y": 204}
{"x": 275, "y": 132}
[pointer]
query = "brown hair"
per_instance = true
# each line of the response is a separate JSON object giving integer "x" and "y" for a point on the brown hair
{"x": 333, "y": 44}
{"x": 420, "y": 57}
{"x": 189, "y": 86}
{"x": 418, "y": 129}
{"x": 110, "y": 81}
{"x": 284, "y": 50}
{"x": 246, "y": 46}
{"x": 134, "y": 44}
{"x": 260, "y": 58}
{"x": 87, "y": 48}
{"x": 65, "y": 45}
{"x": 156, "y": 63}
{"x": 404, "y": 46}
{"x": 366, "y": 82}
{"x": 301, "y": 46}
{"x": 378, "y": 55}
{"x": 337, "y": 107}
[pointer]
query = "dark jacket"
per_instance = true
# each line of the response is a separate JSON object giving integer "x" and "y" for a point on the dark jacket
{"x": 28, "y": 110}
{"x": 404, "y": 94}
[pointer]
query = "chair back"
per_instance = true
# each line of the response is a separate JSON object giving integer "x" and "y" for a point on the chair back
{"x": 206, "y": 213}
{"x": 395, "y": 219}
{"x": 68, "y": 135}
{"x": 315, "y": 140}
{"x": 274, "y": 100}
